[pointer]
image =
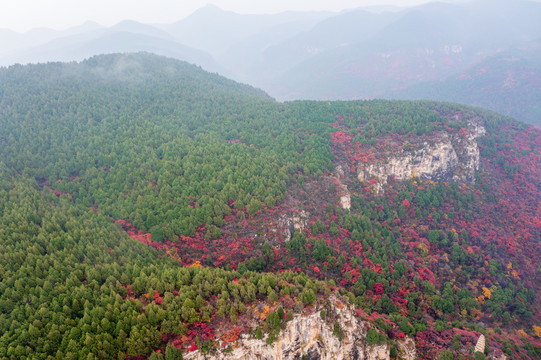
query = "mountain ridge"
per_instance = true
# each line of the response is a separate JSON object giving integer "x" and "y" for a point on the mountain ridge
{"x": 354, "y": 54}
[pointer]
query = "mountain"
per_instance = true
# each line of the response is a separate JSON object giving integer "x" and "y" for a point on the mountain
{"x": 128, "y": 36}
{"x": 401, "y": 51}
{"x": 148, "y": 207}
{"x": 263, "y": 63}
{"x": 508, "y": 82}
{"x": 361, "y": 53}
{"x": 13, "y": 42}
{"x": 426, "y": 43}
{"x": 214, "y": 30}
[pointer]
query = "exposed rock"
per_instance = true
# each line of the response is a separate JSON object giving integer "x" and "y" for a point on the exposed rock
{"x": 294, "y": 222}
{"x": 497, "y": 354}
{"x": 339, "y": 171}
{"x": 406, "y": 349}
{"x": 480, "y": 346}
{"x": 431, "y": 162}
{"x": 309, "y": 336}
{"x": 453, "y": 157}
{"x": 345, "y": 199}
{"x": 476, "y": 130}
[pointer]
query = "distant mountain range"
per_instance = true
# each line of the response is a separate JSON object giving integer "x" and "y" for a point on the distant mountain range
{"x": 91, "y": 39}
{"x": 508, "y": 82}
{"x": 434, "y": 51}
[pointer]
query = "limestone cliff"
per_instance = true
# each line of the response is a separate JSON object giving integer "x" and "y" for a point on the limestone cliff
{"x": 288, "y": 223}
{"x": 453, "y": 156}
{"x": 311, "y": 337}
{"x": 345, "y": 197}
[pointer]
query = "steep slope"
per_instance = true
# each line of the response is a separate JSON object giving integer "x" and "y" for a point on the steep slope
{"x": 215, "y": 30}
{"x": 73, "y": 285}
{"x": 508, "y": 83}
{"x": 269, "y": 59}
{"x": 420, "y": 219}
{"x": 124, "y": 98}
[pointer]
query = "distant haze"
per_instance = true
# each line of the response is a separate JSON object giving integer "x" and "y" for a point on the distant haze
{"x": 478, "y": 52}
{"x": 23, "y": 15}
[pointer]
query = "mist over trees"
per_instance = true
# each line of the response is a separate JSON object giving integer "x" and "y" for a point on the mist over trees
{"x": 482, "y": 53}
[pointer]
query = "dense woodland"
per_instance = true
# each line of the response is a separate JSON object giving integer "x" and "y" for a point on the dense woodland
{"x": 140, "y": 203}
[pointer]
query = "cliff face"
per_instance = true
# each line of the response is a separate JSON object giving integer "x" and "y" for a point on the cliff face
{"x": 288, "y": 223}
{"x": 311, "y": 337}
{"x": 345, "y": 197}
{"x": 452, "y": 157}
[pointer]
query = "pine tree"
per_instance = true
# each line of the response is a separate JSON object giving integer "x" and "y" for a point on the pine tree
{"x": 258, "y": 333}
{"x": 172, "y": 352}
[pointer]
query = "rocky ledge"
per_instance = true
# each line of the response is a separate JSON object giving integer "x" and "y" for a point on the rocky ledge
{"x": 453, "y": 156}
{"x": 309, "y": 336}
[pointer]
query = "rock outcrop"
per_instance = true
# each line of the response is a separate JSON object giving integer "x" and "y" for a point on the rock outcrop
{"x": 311, "y": 337}
{"x": 480, "y": 346}
{"x": 453, "y": 157}
{"x": 345, "y": 198}
{"x": 292, "y": 222}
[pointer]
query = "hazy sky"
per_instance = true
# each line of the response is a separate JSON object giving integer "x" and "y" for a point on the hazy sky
{"x": 22, "y": 15}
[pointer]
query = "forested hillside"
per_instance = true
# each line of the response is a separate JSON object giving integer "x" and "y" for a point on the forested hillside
{"x": 149, "y": 209}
